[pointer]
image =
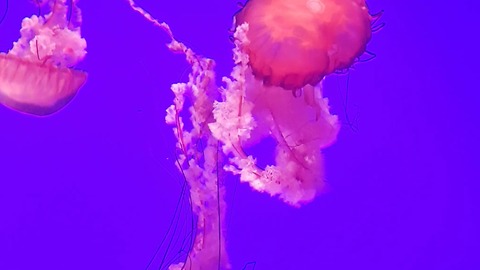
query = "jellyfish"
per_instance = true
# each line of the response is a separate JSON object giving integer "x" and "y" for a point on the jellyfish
{"x": 278, "y": 45}
{"x": 294, "y": 43}
{"x": 37, "y": 75}
{"x": 287, "y": 45}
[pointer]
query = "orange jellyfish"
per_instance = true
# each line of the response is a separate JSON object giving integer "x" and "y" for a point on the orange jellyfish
{"x": 279, "y": 44}
{"x": 294, "y": 43}
{"x": 36, "y": 75}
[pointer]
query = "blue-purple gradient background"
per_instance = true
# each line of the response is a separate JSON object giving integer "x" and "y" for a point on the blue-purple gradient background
{"x": 94, "y": 186}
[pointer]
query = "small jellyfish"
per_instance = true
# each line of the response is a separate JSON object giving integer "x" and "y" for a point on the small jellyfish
{"x": 36, "y": 75}
{"x": 294, "y": 43}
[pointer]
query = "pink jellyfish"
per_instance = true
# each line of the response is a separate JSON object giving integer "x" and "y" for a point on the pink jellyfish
{"x": 297, "y": 42}
{"x": 36, "y": 75}
{"x": 279, "y": 44}
{"x": 293, "y": 45}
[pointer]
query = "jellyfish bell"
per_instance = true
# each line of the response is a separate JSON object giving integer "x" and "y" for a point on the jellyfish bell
{"x": 36, "y": 88}
{"x": 37, "y": 75}
{"x": 294, "y": 43}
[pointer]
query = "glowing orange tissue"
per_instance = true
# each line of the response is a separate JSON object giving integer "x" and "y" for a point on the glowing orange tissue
{"x": 297, "y": 42}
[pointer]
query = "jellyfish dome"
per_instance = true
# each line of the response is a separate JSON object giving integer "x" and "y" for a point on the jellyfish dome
{"x": 297, "y": 42}
{"x": 36, "y": 75}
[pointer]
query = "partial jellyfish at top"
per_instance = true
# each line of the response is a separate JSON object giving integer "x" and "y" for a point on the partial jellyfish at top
{"x": 293, "y": 43}
{"x": 278, "y": 45}
{"x": 37, "y": 75}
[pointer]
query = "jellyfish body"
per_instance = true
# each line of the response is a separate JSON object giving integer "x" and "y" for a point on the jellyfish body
{"x": 36, "y": 88}
{"x": 36, "y": 76}
{"x": 297, "y": 42}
